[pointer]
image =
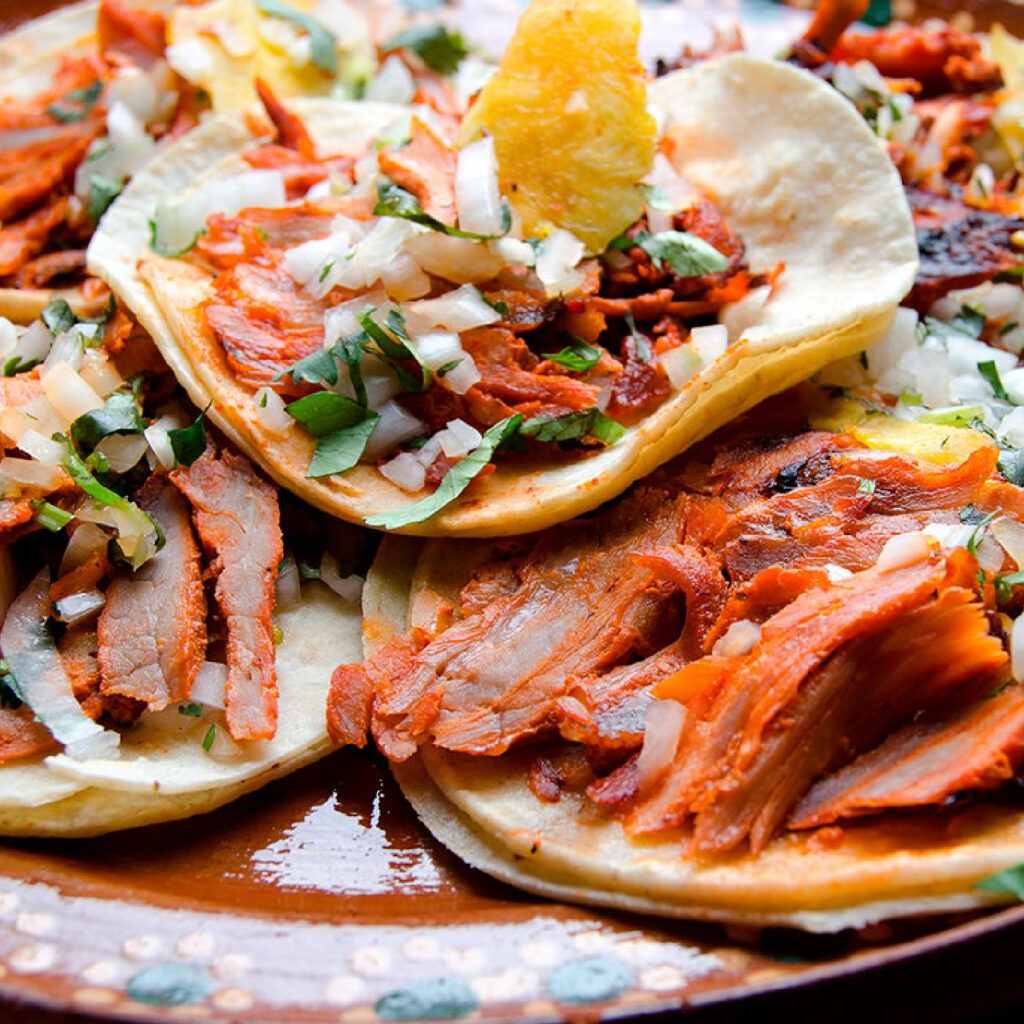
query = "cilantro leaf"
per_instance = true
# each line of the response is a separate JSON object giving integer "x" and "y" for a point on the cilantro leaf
{"x": 442, "y": 51}
{"x": 643, "y": 345}
{"x": 395, "y": 201}
{"x": 968, "y": 321}
{"x": 323, "y": 43}
{"x": 454, "y": 482}
{"x": 1009, "y": 881}
{"x": 76, "y": 105}
{"x": 1011, "y": 465}
{"x": 102, "y": 192}
{"x": 188, "y": 443}
{"x": 119, "y": 415}
{"x": 341, "y": 449}
{"x": 496, "y": 304}
{"x": 394, "y": 352}
{"x": 577, "y": 355}
{"x": 16, "y": 365}
{"x": 686, "y": 255}
{"x": 990, "y": 372}
{"x": 192, "y": 710}
{"x": 586, "y": 423}
{"x": 317, "y": 368}
{"x": 325, "y": 412}
{"x": 59, "y": 317}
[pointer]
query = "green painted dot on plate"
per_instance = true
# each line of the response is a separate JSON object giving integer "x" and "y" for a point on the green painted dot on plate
{"x": 170, "y": 985}
{"x": 596, "y": 979}
{"x": 428, "y": 999}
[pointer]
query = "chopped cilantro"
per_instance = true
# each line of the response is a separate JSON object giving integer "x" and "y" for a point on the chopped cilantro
{"x": 1009, "y": 881}
{"x": 188, "y": 443}
{"x": 327, "y": 268}
{"x": 102, "y": 192}
{"x": 307, "y": 571}
{"x": 317, "y": 368}
{"x": 49, "y": 516}
{"x": 968, "y": 321}
{"x": 687, "y": 255}
{"x": 1011, "y": 465}
{"x": 322, "y": 42}
{"x": 120, "y": 415}
{"x": 586, "y": 423}
{"x": 395, "y": 201}
{"x": 16, "y": 365}
{"x": 192, "y": 709}
{"x": 1004, "y": 584}
{"x": 59, "y": 317}
{"x": 211, "y": 735}
{"x": 76, "y": 105}
{"x": 161, "y": 249}
{"x": 577, "y": 355}
{"x": 341, "y": 449}
{"x": 990, "y": 372}
{"x": 496, "y": 304}
{"x": 1006, "y": 328}
{"x": 866, "y": 486}
{"x": 324, "y": 412}
{"x": 442, "y": 51}
{"x": 454, "y": 482}
{"x": 643, "y": 346}
{"x": 446, "y": 368}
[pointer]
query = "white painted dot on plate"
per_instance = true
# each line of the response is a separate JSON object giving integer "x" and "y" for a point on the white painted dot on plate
{"x": 142, "y": 947}
{"x": 514, "y": 983}
{"x": 593, "y": 940}
{"x": 36, "y": 924}
{"x": 541, "y": 953}
{"x": 466, "y": 961}
{"x": 662, "y": 978}
{"x": 8, "y": 902}
{"x": 344, "y": 989}
{"x": 196, "y": 945}
{"x": 102, "y": 972}
{"x": 35, "y": 957}
{"x": 371, "y": 960}
{"x": 230, "y": 966}
{"x": 95, "y": 996}
{"x": 421, "y": 947}
{"x": 232, "y": 999}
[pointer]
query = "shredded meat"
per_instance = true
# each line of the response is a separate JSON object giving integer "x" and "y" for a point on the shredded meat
{"x": 137, "y": 33}
{"x": 291, "y": 132}
{"x": 238, "y": 520}
{"x": 424, "y": 166}
{"x": 152, "y": 630}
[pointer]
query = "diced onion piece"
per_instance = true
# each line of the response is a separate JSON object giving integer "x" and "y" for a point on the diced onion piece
{"x": 159, "y": 440}
{"x": 32, "y": 474}
{"x": 458, "y": 438}
{"x": 42, "y": 682}
{"x": 459, "y": 260}
{"x": 462, "y": 377}
{"x": 69, "y": 395}
{"x": 516, "y": 252}
{"x": 900, "y": 339}
{"x": 147, "y": 94}
{"x": 341, "y": 320}
{"x": 739, "y": 638}
{"x": 680, "y": 364}
{"x": 99, "y": 372}
{"x": 393, "y": 83}
{"x": 42, "y": 448}
{"x": 374, "y": 254}
{"x": 179, "y": 219}
{"x": 403, "y": 279}
{"x": 348, "y": 588}
{"x": 393, "y": 426}
{"x": 1017, "y": 649}
{"x": 75, "y": 609}
{"x": 192, "y": 59}
{"x": 905, "y": 549}
{"x": 8, "y": 337}
{"x": 459, "y": 310}
{"x": 33, "y": 345}
{"x": 950, "y": 535}
{"x": 210, "y": 684}
{"x": 709, "y": 342}
{"x": 271, "y": 413}
{"x": 989, "y": 554}
{"x": 128, "y": 149}
{"x": 123, "y": 451}
{"x": 663, "y": 725}
{"x": 85, "y": 542}
{"x": 288, "y": 585}
{"x": 476, "y": 188}
{"x": 1010, "y": 533}
{"x": 836, "y": 573}
{"x": 405, "y": 471}
{"x": 557, "y": 258}
{"x": 437, "y": 348}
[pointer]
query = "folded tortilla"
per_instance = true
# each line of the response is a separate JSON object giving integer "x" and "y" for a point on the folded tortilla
{"x": 791, "y": 165}
{"x": 483, "y": 810}
{"x": 163, "y": 773}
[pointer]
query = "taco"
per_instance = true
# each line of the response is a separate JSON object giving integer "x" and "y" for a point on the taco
{"x": 92, "y": 92}
{"x": 162, "y": 653}
{"x": 409, "y": 346}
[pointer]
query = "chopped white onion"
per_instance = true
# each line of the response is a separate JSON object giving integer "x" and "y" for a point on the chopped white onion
{"x": 288, "y": 585}
{"x": 99, "y": 372}
{"x": 1017, "y": 649}
{"x": 461, "y": 377}
{"x": 949, "y": 535}
{"x": 516, "y": 252}
{"x": 989, "y": 554}
{"x": 179, "y": 219}
{"x": 740, "y": 638}
{"x": 393, "y": 426}
{"x": 836, "y": 573}
{"x": 75, "y": 609}
{"x": 149, "y": 95}
{"x": 33, "y": 344}
{"x": 42, "y": 448}
{"x": 159, "y": 440}
{"x": 900, "y": 339}
{"x": 128, "y": 149}
{"x": 663, "y": 725}
{"x": 437, "y": 348}
{"x": 85, "y": 542}
{"x": 32, "y": 474}
{"x": 1010, "y": 533}
{"x": 459, "y": 310}
{"x": 458, "y": 438}
{"x": 403, "y": 279}
{"x": 66, "y": 348}
{"x": 393, "y": 83}
{"x": 557, "y": 257}
{"x": 373, "y": 255}
{"x": 348, "y": 588}
{"x": 8, "y": 337}
{"x": 709, "y": 342}
{"x": 405, "y": 471}
{"x": 903, "y": 550}
{"x": 271, "y": 412}
{"x": 69, "y": 395}
{"x": 210, "y": 684}
{"x": 476, "y": 188}
{"x": 341, "y": 320}
{"x": 459, "y": 260}
{"x": 123, "y": 451}
{"x": 680, "y": 364}
{"x": 192, "y": 59}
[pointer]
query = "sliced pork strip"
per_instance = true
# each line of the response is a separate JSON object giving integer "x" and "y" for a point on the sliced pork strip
{"x": 152, "y": 630}
{"x": 926, "y": 762}
{"x": 238, "y": 520}
{"x": 22, "y": 736}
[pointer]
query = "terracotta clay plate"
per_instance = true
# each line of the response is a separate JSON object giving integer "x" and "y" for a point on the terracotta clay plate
{"x": 321, "y": 898}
